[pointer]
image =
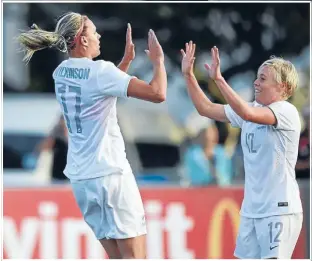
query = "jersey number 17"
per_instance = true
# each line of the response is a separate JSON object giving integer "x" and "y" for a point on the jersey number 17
{"x": 62, "y": 89}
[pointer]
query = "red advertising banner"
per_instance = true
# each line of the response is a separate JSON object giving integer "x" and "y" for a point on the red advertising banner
{"x": 182, "y": 223}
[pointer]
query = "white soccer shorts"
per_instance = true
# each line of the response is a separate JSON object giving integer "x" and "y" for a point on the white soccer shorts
{"x": 111, "y": 206}
{"x": 269, "y": 237}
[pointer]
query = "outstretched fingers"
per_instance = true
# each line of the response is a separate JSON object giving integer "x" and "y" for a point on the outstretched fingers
{"x": 183, "y": 53}
{"x": 193, "y": 49}
{"x": 215, "y": 55}
{"x": 153, "y": 39}
{"x": 190, "y": 49}
{"x": 149, "y": 40}
{"x": 187, "y": 48}
{"x": 129, "y": 34}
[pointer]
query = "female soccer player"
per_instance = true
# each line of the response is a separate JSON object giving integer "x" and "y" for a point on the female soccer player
{"x": 271, "y": 212}
{"x": 102, "y": 180}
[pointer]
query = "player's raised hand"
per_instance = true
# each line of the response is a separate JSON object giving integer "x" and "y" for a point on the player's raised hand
{"x": 188, "y": 58}
{"x": 214, "y": 69}
{"x": 155, "y": 52}
{"x": 129, "y": 49}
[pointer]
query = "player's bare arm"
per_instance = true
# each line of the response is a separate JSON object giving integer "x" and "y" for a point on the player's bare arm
{"x": 262, "y": 115}
{"x": 156, "y": 90}
{"x": 129, "y": 51}
{"x": 201, "y": 102}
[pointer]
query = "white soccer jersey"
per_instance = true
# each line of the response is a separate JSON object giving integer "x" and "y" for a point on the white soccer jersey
{"x": 270, "y": 155}
{"x": 87, "y": 92}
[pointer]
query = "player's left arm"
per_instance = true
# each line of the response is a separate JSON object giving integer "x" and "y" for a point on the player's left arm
{"x": 260, "y": 115}
{"x": 129, "y": 52}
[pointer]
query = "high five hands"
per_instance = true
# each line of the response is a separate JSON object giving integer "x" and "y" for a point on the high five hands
{"x": 188, "y": 58}
{"x": 154, "y": 51}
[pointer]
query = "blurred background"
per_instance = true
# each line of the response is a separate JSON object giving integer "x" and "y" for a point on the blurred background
{"x": 189, "y": 168}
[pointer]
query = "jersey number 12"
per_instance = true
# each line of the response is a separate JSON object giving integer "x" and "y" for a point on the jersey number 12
{"x": 250, "y": 142}
{"x": 62, "y": 89}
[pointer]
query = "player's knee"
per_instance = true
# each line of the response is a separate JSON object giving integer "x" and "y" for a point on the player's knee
{"x": 111, "y": 248}
{"x": 114, "y": 256}
{"x": 133, "y": 253}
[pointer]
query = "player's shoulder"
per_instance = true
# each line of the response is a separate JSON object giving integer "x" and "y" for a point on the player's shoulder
{"x": 71, "y": 62}
{"x": 284, "y": 106}
{"x": 288, "y": 112}
{"x": 103, "y": 65}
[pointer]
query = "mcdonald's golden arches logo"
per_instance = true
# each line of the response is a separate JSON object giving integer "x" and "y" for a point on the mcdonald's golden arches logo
{"x": 216, "y": 226}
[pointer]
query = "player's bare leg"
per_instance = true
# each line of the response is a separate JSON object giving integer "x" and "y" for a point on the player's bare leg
{"x": 111, "y": 248}
{"x": 131, "y": 248}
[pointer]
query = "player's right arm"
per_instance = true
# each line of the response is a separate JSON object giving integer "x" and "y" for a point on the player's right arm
{"x": 201, "y": 102}
{"x": 156, "y": 90}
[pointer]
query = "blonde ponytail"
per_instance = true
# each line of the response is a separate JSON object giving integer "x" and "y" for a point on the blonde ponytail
{"x": 37, "y": 39}
{"x": 68, "y": 29}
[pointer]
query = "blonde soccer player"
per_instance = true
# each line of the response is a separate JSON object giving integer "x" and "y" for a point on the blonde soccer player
{"x": 271, "y": 212}
{"x": 101, "y": 177}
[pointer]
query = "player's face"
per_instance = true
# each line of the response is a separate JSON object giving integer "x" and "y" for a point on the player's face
{"x": 267, "y": 89}
{"x": 91, "y": 39}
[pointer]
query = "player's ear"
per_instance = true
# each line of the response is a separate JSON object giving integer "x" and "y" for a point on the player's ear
{"x": 84, "y": 41}
{"x": 282, "y": 87}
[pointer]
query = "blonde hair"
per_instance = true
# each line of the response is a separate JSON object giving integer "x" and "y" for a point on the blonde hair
{"x": 69, "y": 26}
{"x": 285, "y": 73}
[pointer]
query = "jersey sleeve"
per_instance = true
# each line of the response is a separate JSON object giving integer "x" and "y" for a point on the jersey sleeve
{"x": 235, "y": 120}
{"x": 286, "y": 115}
{"x": 112, "y": 81}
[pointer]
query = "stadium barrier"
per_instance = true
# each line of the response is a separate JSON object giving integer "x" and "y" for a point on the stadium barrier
{"x": 187, "y": 223}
